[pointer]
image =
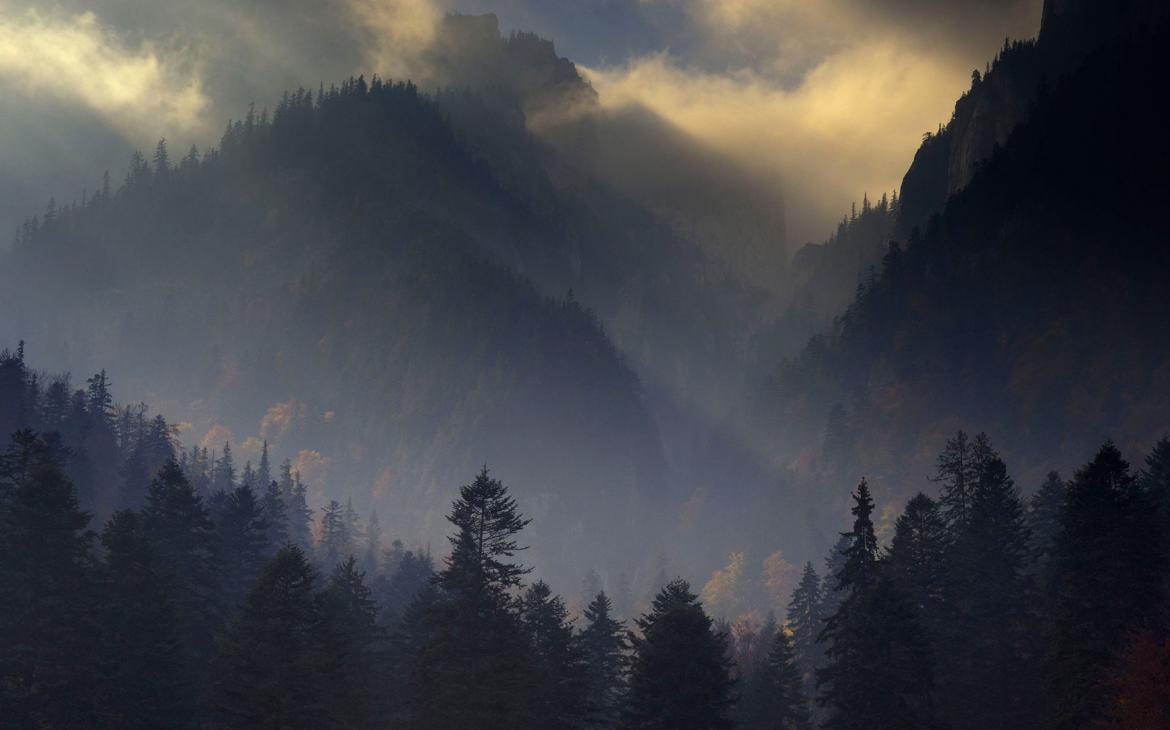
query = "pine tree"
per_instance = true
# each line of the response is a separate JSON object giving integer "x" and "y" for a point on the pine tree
{"x": 1044, "y": 519}
{"x": 603, "y": 646}
{"x": 414, "y": 571}
{"x": 352, "y": 650}
{"x": 47, "y": 664}
{"x": 680, "y": 674}
{"x": 243, "y": 543}
{"x": 264, "y": 469}
{"x": 182, "y": 537}
{"x": 223, "y": 474}
{"x": 877, "y": 673}
{"x": 990, "y": 684}
{"x": 805, "y": 620}
{"x": 334, "y": 545}
{"x": 558, "y": 697}
{"x": 268, "y": 671}
{"x": 917, "y": 561}
{"x": 474, "y": 670}
{"x": 958, "y": 470}
{"x": 830, "y": 597}
{"x": 1107, "y": 580}
{"x": 785, "y": 706}
{"x": 248, "y": 476}
{"x": 141, "y": 672}
{"x": 275, "y": 519}
{"x": 300, "y": 517}
{"x": 353, "y": 528}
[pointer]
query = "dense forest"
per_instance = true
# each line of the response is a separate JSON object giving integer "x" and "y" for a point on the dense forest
{"x": 214, "y": 597}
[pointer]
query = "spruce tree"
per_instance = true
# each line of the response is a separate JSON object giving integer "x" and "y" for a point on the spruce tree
{"x": 603, "y": 646}
{"x": 223, "y": 474}
{"x": 47, "y": 664}
{"x": 414, "y": 571}
{"x": 680, "y": 674}
{"x": 268, "y": 673}
{"x": 752, "y": 707}
{"x": 275, "y": 519}
{"x": 141, "y": 672}
{"x": 785, "y": 706}
{"x": 182, "y": 537}
{"x": 248, "y": 476}
{"x": 264, "y": 469}
{"x": 335, "y": 545}
{"x": 1107, "y": 580}
{"x": 830, "y": 597}
{"x": 243, "y": 543}
{"x": 352, "y": 649}
{"x": 300, "y": 516}
{"x": 474, "y": 670}
{"x": 917, "y": 561}
{"x": 805, "y": 621}
{"x": 991, "y": 686}
{"x": 558, "y": 697}
{"x": 1044, "y": 519}
{"x": 959, "y": 466}
{"x": 877, "y": 673}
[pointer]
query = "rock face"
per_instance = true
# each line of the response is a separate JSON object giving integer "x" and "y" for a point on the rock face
{"x": 999, "y": 100}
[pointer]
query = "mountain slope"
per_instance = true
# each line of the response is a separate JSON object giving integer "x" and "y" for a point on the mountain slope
{"x": 1033, "y": 305}
{"x": 332, "y": 280}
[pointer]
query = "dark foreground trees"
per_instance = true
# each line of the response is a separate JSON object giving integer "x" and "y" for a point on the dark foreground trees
{"x": 680, "y": 673}
{"x": 978, "y": 614}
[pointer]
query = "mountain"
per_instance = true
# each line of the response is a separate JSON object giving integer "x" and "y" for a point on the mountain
{"x": 1032, "y": 303}
{"x": 331, "y": 280}
{"x": 1002, "y": 97}
{"x": 395, "y": 283}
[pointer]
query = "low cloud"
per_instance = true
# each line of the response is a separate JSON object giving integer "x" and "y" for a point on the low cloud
{"x": 75, "y": 59}
{"x": 850, "y": 126}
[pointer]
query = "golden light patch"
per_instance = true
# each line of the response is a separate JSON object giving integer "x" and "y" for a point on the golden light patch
{"x": 852, "y": 125}
{"x": 77, "y": 59}
{"x": 250, "y": 448}
{"x": 314, "y": 470}
{"x": 216, "y": 437}
{"x": 398, "y": 30}
{"x": 278, "y": 418}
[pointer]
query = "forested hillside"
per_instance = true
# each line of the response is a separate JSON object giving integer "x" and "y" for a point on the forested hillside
{"x": 394, "y": 286}
{"x": 332, "y": 279}
{"x": 1031, "y": 305}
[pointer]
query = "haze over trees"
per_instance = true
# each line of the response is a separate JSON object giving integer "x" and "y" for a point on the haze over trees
{"x": 186, "y": 611}
{"x": 925, "y": 486}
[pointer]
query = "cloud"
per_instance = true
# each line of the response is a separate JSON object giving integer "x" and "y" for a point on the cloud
{"x": 835, "y": 95}
{"x": 76, "y": 59}
{"x": 850, "y": 126}
{"x": 396, "y": 32}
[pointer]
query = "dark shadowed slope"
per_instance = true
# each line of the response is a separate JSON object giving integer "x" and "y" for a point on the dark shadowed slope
{"x": 1033, "y": 305}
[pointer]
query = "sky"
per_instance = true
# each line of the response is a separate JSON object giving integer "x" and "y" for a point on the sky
{"x": 828, "y": 97}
